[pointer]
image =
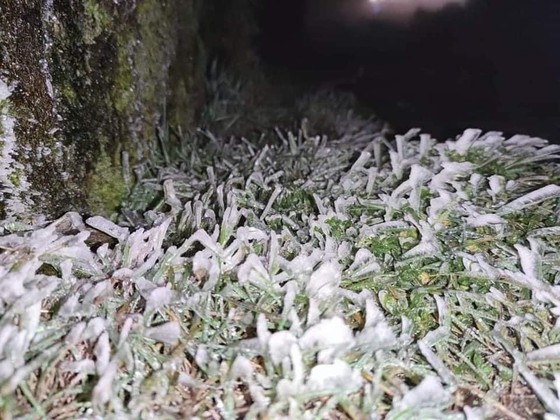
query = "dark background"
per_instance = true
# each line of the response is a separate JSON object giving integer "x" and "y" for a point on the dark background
{"x": 494, "y": 64}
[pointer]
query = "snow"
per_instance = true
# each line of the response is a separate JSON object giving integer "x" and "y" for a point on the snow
{"x": 102, "y": 353}
{"x": 529, "y": 261}
{"x": 324, "y": 282}
{"x": 15, "y": 199}
{"x": 167, "y": 333}
{"x": 274, "y": 310}
{"x": 429, "y": 393}
{"x": 328, "y": 337}
{"x": 465, "y": 141}
{"x": 548, "y": 353}
{"x": 279, "y": 345}
{"x": 535, "y": 197}
{"x": 333, "y": 377}
{"x": 253, "y": 271}
{"x": 241, "y": 368}
{"x": 108, "y": 227}
{"x": 157, "y": 298}
{"x": 450, "y": 172}
{"x": 480, "y": 220}
{"x": 497, "y": 185}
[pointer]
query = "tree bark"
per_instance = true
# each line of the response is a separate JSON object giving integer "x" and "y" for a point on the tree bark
{"x": 83, "y": 85}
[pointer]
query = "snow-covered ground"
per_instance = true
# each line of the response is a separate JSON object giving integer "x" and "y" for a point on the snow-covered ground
{"x": 297, "y": 277}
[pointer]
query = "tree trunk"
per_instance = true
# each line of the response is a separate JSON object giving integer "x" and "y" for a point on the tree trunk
{"x": 83, "y": 84}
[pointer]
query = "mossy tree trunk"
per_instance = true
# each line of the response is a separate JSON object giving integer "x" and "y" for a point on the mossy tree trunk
{"x": 83, "y": 84}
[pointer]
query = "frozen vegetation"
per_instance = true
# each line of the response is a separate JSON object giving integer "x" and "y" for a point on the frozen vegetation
{"x": 298, "y": 277}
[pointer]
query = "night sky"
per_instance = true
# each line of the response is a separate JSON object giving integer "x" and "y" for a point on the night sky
{"x": 491, "y": 64}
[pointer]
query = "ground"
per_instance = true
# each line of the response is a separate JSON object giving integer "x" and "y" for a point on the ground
{"x": 289, "y": 274}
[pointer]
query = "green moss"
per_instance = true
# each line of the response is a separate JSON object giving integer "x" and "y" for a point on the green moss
{"x": 143, "y": 55}
{"x": 123, "y": 93}
{"x": 114, "y": 67}
{"x": 15, "y": 177}
{"x": 68, "y": 93}
{"x": 97, "y": 20}
{"x": 154, "y": 26}
{"x": 106, "y": 186}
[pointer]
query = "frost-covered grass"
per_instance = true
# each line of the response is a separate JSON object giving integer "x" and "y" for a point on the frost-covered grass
{"x": 294, "y": 276}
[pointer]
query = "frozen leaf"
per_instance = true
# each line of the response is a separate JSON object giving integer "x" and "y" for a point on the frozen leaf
{"x": 329, "y": 337}
{"x": 429, "y": 393}
{"x": 253, "y": 271}
{"x": 241, "y": 368}
{"x": 108, "y": 227}
{"x": 158, "y": 297}
{"x": 279, "y": 345}
{"x": 535, "y": 197}
{"x": 463, "y": 144}
{"x": 167, "y": 333}
{"x": 324, "y": 282}
{"x": 450, "y": 172}
{"x": 485, "y": 220}
{"x": 334, "y": 378}
{"x": 548, "y": 353}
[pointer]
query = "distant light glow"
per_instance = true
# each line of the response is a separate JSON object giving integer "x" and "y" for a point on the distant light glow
{"x": 377, "y": 7}
{"x": 404, "y": 10}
